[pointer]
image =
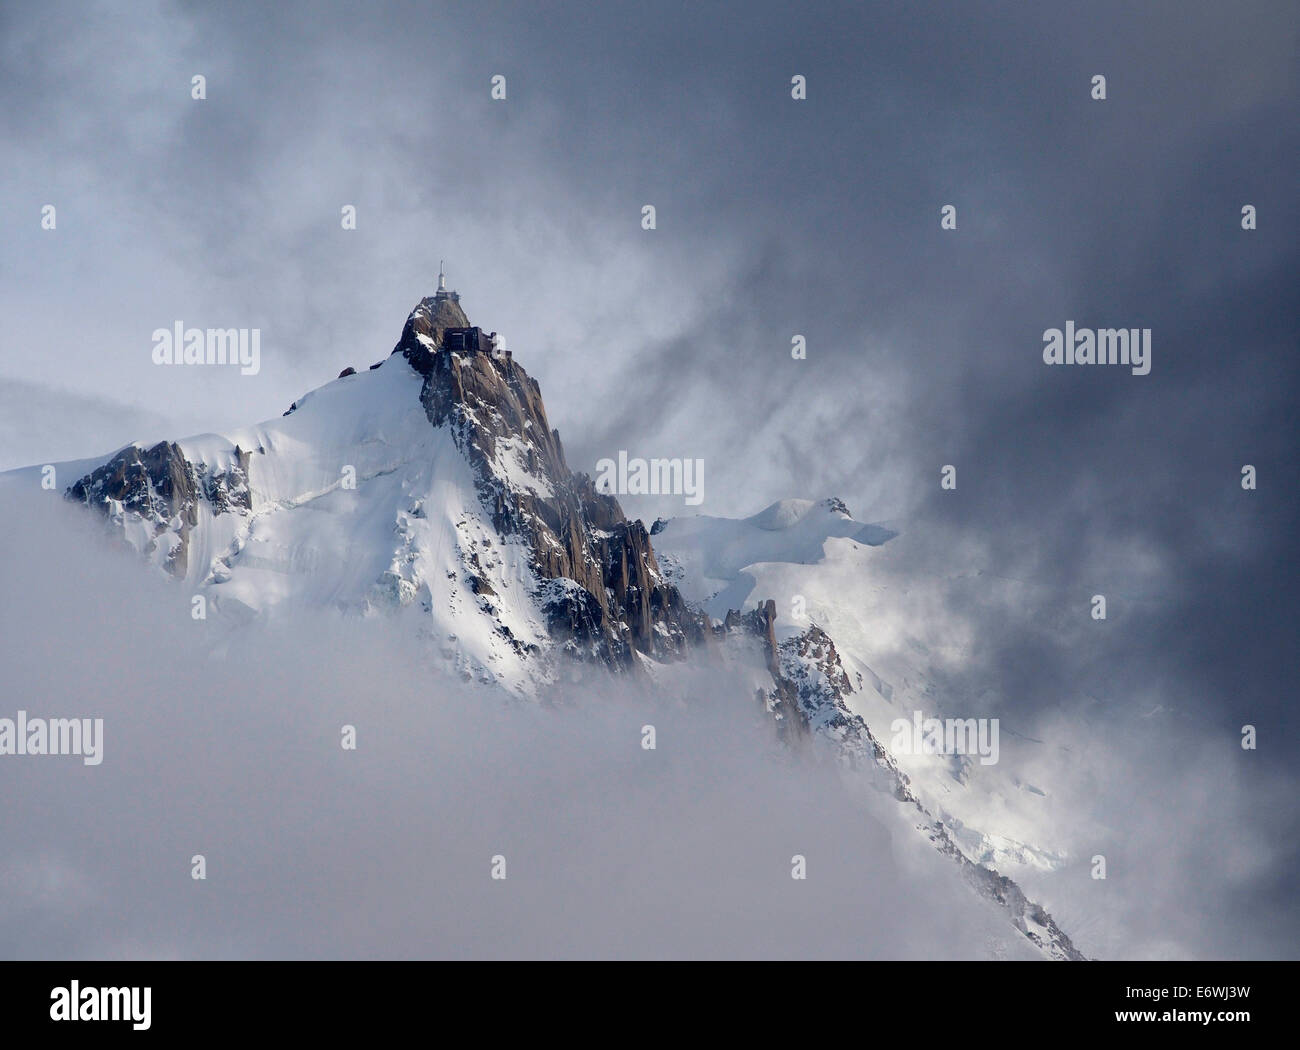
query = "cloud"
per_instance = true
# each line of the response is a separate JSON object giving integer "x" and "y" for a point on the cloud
{"x": 43, "y": 424}
{"x": 229, "y": 746}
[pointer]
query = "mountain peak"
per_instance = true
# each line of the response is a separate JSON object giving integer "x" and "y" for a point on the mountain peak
{"x": 432, "y": 483}
{"x": 432, "y": 488}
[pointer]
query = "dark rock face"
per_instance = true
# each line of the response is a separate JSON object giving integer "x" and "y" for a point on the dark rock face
{"x": 603, "y": 593}
{"x": 761, "y": 623}
{"x": 228, "y": 490}
{"x": 164, "y": 489}
{"x": 431, "y": 317}
{"x": 782, "y": 701}
{"x": 154, "y": 483}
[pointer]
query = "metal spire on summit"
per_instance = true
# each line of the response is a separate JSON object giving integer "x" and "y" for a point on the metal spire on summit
{"x": 442, "y": 294}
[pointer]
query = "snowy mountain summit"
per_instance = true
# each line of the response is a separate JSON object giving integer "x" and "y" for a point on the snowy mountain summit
{"x": 430, "y": 484}
{"x": 431, "y": 488}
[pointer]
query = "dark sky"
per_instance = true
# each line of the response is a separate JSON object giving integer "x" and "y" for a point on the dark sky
{"x": 775, "y": 217}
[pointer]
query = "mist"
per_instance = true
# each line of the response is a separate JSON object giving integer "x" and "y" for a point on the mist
{"x": 229, "y": 746}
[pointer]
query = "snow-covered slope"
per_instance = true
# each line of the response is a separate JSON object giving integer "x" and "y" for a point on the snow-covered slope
{"x": 711, "y": 555}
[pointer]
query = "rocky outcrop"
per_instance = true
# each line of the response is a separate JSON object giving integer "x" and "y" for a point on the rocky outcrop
{"x": 163, "y": 490}
{"x": 601, "y": 589}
